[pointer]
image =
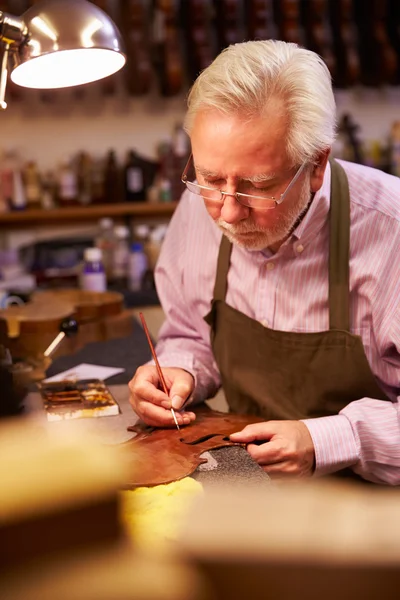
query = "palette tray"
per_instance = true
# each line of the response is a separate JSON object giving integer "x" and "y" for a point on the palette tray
{"x": 77, "y": 399}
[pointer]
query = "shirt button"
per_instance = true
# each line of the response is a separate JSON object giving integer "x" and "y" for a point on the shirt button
{"x": 299, "y": 248}
{"x": 265, "y": 323}
{"x": 270, "y": 266}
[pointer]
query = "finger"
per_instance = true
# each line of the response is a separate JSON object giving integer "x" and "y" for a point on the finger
{"x": 149, "y": 392}
{"x": 265, "y": 454}
{"x": 160, "y": 417}
{"x": 180, "y": 392}
{"x": 190, "y": 414}
{"x": 255, "y": 431}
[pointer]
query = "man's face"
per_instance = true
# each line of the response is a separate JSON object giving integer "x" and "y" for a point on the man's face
{"x": 237, "y": 154}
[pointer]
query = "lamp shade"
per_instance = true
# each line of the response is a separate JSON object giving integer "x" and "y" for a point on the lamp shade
{"x": 68, "y": 42}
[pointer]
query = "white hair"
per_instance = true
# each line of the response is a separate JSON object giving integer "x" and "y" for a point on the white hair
{"x": 245, "y": 77}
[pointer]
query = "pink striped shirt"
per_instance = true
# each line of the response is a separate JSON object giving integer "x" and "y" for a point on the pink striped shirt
{"x": 288, "y": 291}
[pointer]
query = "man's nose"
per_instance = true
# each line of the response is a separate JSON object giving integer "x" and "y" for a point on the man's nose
{"x": 232, "y": 211}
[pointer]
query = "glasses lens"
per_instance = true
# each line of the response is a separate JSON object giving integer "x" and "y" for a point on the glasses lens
{"x": 207, "y": 193}
{"x": 256, "y": 201}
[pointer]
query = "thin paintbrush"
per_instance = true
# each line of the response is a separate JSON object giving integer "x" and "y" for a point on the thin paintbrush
{"x": 160, "y": 373}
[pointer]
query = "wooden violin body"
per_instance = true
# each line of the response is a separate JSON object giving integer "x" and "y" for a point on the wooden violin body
{"x": 159, "y": 456}
{"x": 29, "y": 329}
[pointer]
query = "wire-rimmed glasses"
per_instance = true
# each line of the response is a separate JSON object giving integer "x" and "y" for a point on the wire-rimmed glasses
{"x": 216, "y": 195}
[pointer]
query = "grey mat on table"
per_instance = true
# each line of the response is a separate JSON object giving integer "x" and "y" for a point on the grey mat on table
{"x": 128, "y": 353}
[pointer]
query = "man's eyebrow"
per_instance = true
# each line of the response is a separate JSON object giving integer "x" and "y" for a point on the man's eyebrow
{"x": 206, "y": 172}
{"x": 261, "y": 178}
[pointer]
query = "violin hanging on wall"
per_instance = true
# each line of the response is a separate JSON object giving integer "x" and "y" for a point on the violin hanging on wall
{"x": 393, "y": 30}
{"x": 344, "y": 42}
{"x": 229, "y": 22}
{"x": 198, "y": 27}
{"x": 135, "y": 30}
{"x": 379, "y": 61}
{"x": 318, "y": 33}
{"x": 288, "y": 21}
{"x": 168, "y": 55}
{"x": 259, "y": 19}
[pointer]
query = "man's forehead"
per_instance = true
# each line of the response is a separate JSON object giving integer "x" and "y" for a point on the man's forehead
{"x": 260, "y": 175}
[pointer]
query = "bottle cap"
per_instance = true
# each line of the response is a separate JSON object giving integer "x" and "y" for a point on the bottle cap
{"x": 106, "y": 223}
{"x": 141, "y": 231}
{"x": 93, "y": 254}
{"x": 121, "y": 232}
{"x": 137, "y": 247}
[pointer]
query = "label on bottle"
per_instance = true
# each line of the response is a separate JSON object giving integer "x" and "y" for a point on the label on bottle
{"x": 137, "y": 267}
{"x": 94, "y": 282}
{"x": 134, "y": 179}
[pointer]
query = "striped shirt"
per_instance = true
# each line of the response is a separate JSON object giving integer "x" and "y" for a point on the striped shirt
{"x": 288, "y": 291}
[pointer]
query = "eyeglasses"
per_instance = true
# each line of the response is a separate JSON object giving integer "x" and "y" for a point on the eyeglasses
{"x": 218, "y": 196}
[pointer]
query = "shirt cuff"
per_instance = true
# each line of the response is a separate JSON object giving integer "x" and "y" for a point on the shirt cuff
{"x": 334, "y": 443}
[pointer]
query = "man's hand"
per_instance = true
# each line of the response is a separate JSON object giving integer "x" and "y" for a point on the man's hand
{"x": 152, "y": 405}
{"x": 282, "y": 448}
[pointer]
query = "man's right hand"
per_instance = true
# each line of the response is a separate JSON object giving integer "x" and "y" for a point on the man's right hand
{"x": 152, "y": 405}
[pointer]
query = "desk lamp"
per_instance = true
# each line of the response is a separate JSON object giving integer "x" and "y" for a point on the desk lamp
{"x": 57, "y": 44}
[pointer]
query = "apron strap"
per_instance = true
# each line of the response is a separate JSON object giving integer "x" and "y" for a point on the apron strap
{"x": 339, "y": 249}
{"x": 223, "y": 264}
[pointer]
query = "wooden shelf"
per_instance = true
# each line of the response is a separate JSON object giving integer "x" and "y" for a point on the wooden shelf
{"x": 74, "y": 214}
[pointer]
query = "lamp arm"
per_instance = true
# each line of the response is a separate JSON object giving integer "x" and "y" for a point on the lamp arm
{"x": 3, "y": 76}
{"x": 13, "y": 32}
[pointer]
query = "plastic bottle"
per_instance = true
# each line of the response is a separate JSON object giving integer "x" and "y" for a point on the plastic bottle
{"x": 121, "y": 254}
{"x": 134, "y": 178}
{"x": 105, "y": 240}
{"x": 67, "y": 185}
{"x": 93, "y": 277}
{"x": 112, "y": 192}
{"x": 137, "y": 266}
{"x": 84, "y": 175}
{"x": 32, "y": 183}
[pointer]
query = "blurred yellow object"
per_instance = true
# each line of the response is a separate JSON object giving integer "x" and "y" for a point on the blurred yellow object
{"x": 153, "y": 516}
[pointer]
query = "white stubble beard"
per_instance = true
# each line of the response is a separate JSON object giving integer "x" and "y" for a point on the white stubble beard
{"x": 278, "y": 232}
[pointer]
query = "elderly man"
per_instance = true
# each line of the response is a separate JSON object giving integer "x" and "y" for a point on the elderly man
{"x": 280, "y": 274}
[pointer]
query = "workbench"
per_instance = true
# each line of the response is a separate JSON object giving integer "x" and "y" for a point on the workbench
{"x": 232, "y": 465}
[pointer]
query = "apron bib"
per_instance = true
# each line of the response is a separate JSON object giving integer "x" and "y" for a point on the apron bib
{"x": 291, "y": 375}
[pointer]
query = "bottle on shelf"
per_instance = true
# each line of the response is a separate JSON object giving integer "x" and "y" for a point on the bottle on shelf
{"x": 67, "y": 185}
{"x": 12, "y": 188}
{"x": 49, "y": 185}
{"x": 394, "y": 145}
{"x": 32, "y": 183}
{"x": 134, "y": 178}
{"x": 120, "y": 255}
{"x": 112, "y": 191}
{"x": 84, "y": 177}
{"x": 105, "y": 241}
{"x": 98, "y": 190}
{"x": 137, "y": 266}
{"x": 93, "y": 276}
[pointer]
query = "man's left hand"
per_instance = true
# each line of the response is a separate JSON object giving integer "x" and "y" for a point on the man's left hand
{"x": 282, "y": 448}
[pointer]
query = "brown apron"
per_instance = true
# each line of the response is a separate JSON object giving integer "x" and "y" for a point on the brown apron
{"x": 291, "y": 375}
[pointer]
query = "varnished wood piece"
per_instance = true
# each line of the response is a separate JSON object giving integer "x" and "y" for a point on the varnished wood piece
{"x": 159, "y": 456}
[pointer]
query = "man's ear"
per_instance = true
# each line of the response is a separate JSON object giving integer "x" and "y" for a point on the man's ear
{"x": 318, "y": 171}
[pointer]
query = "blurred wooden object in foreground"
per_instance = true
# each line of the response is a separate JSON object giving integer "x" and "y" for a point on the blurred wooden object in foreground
{"x": 303, "y": 541}
{"x": 61, "y": 534}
